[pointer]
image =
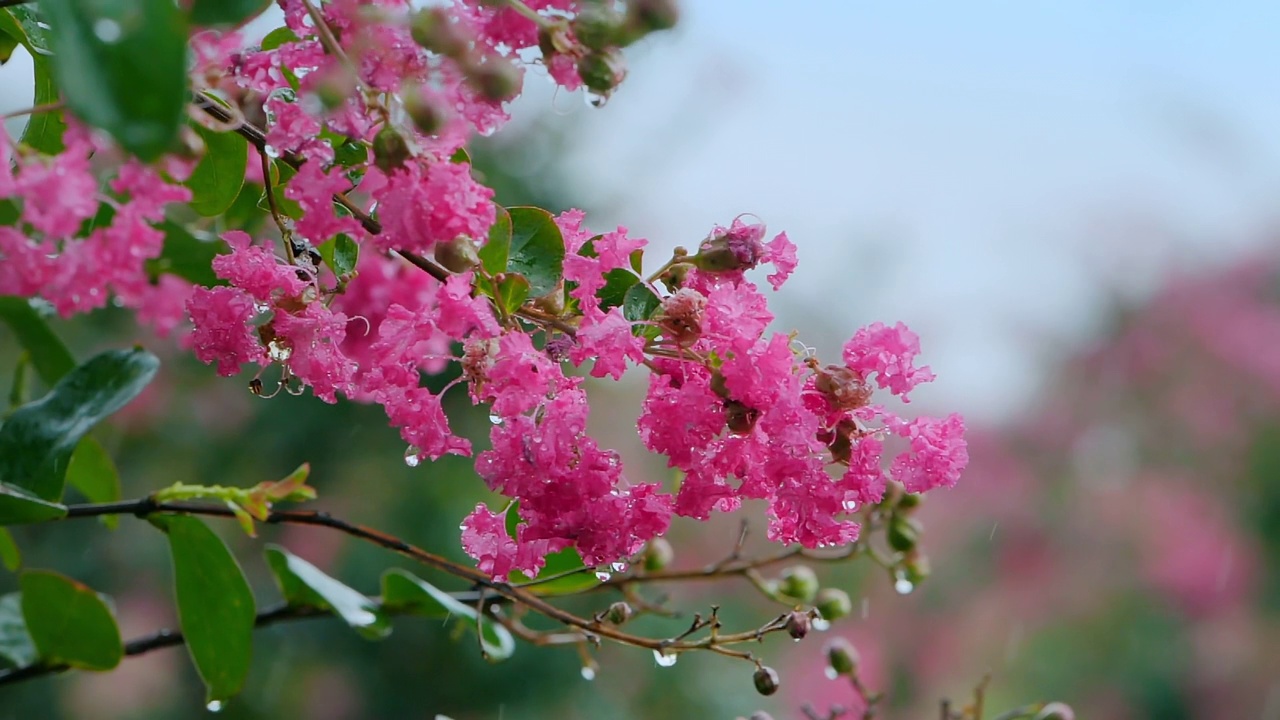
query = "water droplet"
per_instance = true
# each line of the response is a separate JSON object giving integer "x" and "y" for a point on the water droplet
{"x": 271, "y": 151}
{"x": 412, "y": 456}
{"x": 214, "y": 706}
{"x": 820, "y": 624}
{"x": 903, "y": 586}
{"x": 830, "y": 672}
{"x": 664, "y": 659}
{"x": 594, "y": 100}
{"x": 603, "y": 575}
{"x": 619, "y": 567}
{"x": 278, "y": 351}
{"x": 108, "y": 31}
{"x": 850, "y": 505}
{"x": 588, "y": 672}
{"x": 495, "y": 418}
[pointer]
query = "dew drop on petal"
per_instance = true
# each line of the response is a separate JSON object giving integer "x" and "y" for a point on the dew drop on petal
{"x": 664, "y": 659}
{"x": 412, "y": 456}
{"x": 214, "y": 706}
{"x": 495, "y": 418}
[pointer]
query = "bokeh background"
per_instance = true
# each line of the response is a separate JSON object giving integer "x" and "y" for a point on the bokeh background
{"x": 1070, "y": 202}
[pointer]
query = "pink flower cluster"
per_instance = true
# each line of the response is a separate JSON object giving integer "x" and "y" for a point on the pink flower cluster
{"x": 736, "y": 408}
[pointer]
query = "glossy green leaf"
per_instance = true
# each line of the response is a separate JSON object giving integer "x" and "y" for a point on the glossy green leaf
{"x": 537, "y": 249}
{"x": 405, "y": 592}
{"x": 121, "y": 65}
{"x": 215, "y": 605}
{"x": 278, "y": 37}
{"x": 94, "y": 474}
{"x": 49, "y": 356}
{"x": 16, "y": 648}
{"x": 460, "y": 156}
{"x": 8, "y": 44}
{"x": 346, "y": 152}
{"x": 18, "y": 507}
{"x": 226, "y": 13}
{"x": 340, "y": 253}
{"x": 557, "y": 563}
{"x": 25, "y": 25}
{"x": 37, "y": 440}
{"x": 640, "y": 303}
{"x": 69, "y": 622}
{"x": 493, "y": 256}
{"x": 616, "y": 284}
{"x": 281, "y": 174}
{"x": 10, "y": 556}
{"x": 216, "y": 180}
{"x": 512, "y": 292}
{"x": 304, "y": 585}
{"x": 187, "y": 256}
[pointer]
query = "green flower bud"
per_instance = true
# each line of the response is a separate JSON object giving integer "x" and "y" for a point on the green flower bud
{"x": 658, "y": 554}
{"x": 799, "y": 582}
{"x": 434, "y": 30}
{"x": 833, "y": 603}
{"x": 766, "y": 680}
{"x": 458, "y": 255}
{"x": 389, "y": 149}
{"x": 602, "y": 70}
{"x": 842, "y": 656}
{"x": 597, "y": 27}
{"x": 427, "y": 116}
{"x": 903, "y": 533}
{"x": 618, "y": 613}
{"x": 652, "y": 15}
{"x": 496, "y": 79}
{"x": 798, "y": 624}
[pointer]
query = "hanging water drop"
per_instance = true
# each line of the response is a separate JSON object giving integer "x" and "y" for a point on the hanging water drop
{"x": 588, "y": 672}
{"x": 107, "y": 30}
{"x": 603, "y": 575}
{"x": 495, "y": 418}
{"x": 665, "y": 659}
{"x": 214, "y": 706}
{"x": 902, "y": 585}
{"x": 830, "y": 672}
{"x": 412, "y": 456}
{"x": 820, "y": 624}
{"x": 619, "y": 567}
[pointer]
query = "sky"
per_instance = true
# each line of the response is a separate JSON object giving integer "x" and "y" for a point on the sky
{"x": 991, "y": 173}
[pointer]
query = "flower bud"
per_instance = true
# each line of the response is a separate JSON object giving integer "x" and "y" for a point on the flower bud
{"x": 427, "y": 116}
{"x": 766, "y": 680}
{"x": 457, "y": 255}
{"x": 557, "y": 39}
{"x": 389, "y": 149}
{"x": 833, "y": 603}
{"x": 602, "y": 71}
{"x": 433, "y": 29}
{"x": 916, "y": 568}
{"x": 798, "y": 624}
{"x": 335, "y": 85}
{"x": 652, "y": 15}
{"x": 903, "y": 533}
{"x": 843, "y": 387}
{"x": 618, "y": 613}
{"x": 658, "y": 554}
{"x": 842, "y": 656}
{"x": 799, "y": 582}
{"x": 909, "y": 502}
{"x": 740, "y": 247}
{"x": 597, "y": 27}
{"x": 495, "y": 79}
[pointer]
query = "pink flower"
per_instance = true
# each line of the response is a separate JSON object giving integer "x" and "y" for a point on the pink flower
{"x": 782, "y": 253}
{"x": 423, "y": 205}
{"x": 888, "y": 352}
{"x": 313, "y": 188}
{"x": 313, "y": 337}
{"x": 222, "y": 333}
{"x": 254, "y": 269}
{"x": 607, "y": 337}
{"x": 937, "y": 456}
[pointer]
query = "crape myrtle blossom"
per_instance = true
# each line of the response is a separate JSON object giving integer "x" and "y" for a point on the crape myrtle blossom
{"x": 363, "y": 110}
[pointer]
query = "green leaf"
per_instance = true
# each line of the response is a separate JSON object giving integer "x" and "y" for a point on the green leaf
{"x": 226, "y": 13}
{"x": 215, "y": 604}
{"x": 537, "y": 249}
{"x": 69, "y": 622}
{"x": 217, "y": 179}
{"x": 617, "y": 282}
{"x": 187, "y": 256}
{"x": 281, "y": 174}
{"x": 278, "y": 37}
{"x": 557, "y": 563}
{"x": 640, "y": 303}
{"x": 37, "y": 441}
{"x": 10, "y": 556}
{"x": 44, "y": 130}
{"x": 512, "y": 292}
{"x": 122, "y": 67}
{"x": 460, "y": 156}
{"x": 94, "y": 474}
{"x": 16, "y": 648}
{"x": 50, "y": 357}
{"x": 26, "y": 25}
{"x": 346, "y": 152}
{"x": 340, "y": 253}
{"x": 304, "y": 585}
{"x": 493, "y": 256}
{"x": 403, "y": 591}
{"x": 18, "y": 507}
{"x": 8, "y": 44}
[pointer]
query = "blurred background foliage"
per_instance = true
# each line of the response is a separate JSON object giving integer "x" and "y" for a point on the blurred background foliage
{"x": 1115, "y": 544}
